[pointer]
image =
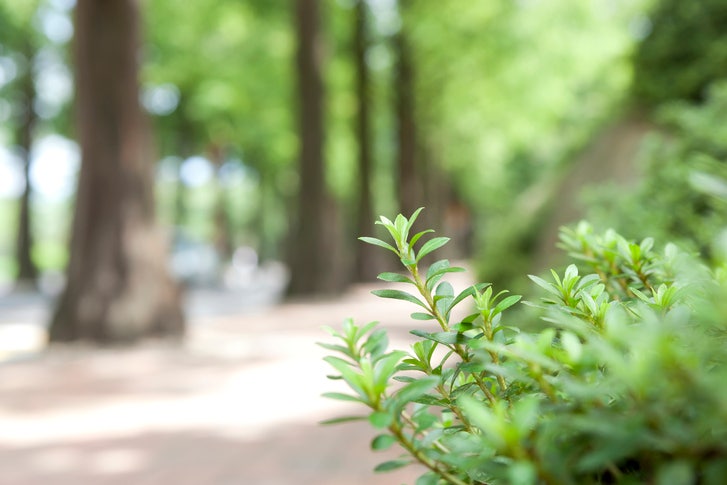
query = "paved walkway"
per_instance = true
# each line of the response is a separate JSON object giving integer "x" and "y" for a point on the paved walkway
{"x": 238, "y": 403}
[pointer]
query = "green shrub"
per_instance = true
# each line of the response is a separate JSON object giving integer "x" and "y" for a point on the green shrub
{"x": 624, "y": 383}
{"x": 682, "y": 194}
{"x": 685, "y": 51}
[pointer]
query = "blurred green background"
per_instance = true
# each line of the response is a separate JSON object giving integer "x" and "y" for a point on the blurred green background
{"x": 508, "y": 111}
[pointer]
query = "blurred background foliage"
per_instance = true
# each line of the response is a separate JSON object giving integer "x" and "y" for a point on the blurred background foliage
{"x": 517, "y": 107}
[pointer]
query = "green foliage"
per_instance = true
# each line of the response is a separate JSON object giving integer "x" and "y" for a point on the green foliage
{"x": 500, "y": 101}
{"x": 684, "y": 53}
{"x": 208, "y": 50}
{"x": 682, "y": 193}
{"x": 622, "y": 384}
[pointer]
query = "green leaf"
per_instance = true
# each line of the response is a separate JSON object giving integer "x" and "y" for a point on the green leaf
{"x": 389, "y": 227}
{"x": 352, "y": 378}
{"x": 382, "y": 442}
{"x": 467, "y": 292}
{"x": 647, "y": 244}
{"x": 463, "y": 389}
{"x": 443, "y": 297}
{"x": 364, "y": 330}
{"x": 641, "y": 296}
{"x": 336, "y": 348}
{"x": 391, "y": 465}
{"x": 572, "y": 345}
{"x": 507, "y": 303}
{"x": 421, "y": 316}
{"x": 328, "y": 329}
{"x": 525, "y": 414}
{"x": 429, "y": 478}
{"x": 377, "y": 343}
{"x": 418, "y": 236}
{"x": 431, "y": 245}
{"x": 462, "y": 327}
{"x": 545, "y": 285}
{"x": 445, "y": 290}
{"x": 385, "y": 368}
{"x": 394, "y": 278}
{"x": 424, "y": 420}
{"x": 408, "y": 225}
{"x": 379, "y": 242}
{"x": 484, "y": 418}
{"x": 344, "y": 419}
{"x": 401, "y": 225}
{"x": 522, "y": 473}
{"x": 341, "y": 397}
{"x": 413, "y": 218}
{"x": 408, "y": 261}
{"x": 437, "y": 266}
{"x": 416, "y": 389}
{"x": 446, "y": 338}
{"x": 471, "y": 318}
{"x": 380, "y": 419}
{"x": 472, "y": 367}
{"x": 437, "y": 269}
{"x": 404, "y": 378}
{"x": 588, "y": 281}
{"x": 399, "y": 295}
{"x": 429, "y": 400}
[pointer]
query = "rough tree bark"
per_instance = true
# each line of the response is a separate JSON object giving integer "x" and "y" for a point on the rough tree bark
{"x": 118, "y": 287}
{"x": 312, "y": 247}
{"x": 27, "y": 271}
{"x": 365, "y": 254}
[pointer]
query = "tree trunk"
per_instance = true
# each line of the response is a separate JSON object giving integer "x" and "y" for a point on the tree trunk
{"x": 312, "y": 265}
{"x": 181, "y": 194}
{"x": 27, "y": 271}
{"x": 409, "y": 190}
{"x": 185, "y": 148}
{"x": 365, "y": 254}
{"x": 223, "y": 233}
{"x": 118, "y": 287}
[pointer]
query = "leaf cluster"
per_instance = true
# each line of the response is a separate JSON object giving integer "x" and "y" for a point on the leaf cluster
{"x": 620, "y": 385}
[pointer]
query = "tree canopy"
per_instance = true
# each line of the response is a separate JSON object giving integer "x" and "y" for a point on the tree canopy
{"x": 475, "y": 109}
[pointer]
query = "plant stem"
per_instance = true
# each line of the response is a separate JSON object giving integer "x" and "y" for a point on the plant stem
{"x": 424, "y": 291}
{"x": 411, "y": 423}
{"x": 493, "y": 355}
{"x": 457, "y": 412}
{"x": 409, "y": 446}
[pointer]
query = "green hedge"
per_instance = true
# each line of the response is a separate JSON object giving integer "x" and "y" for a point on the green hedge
{"x": 623, "y": 383}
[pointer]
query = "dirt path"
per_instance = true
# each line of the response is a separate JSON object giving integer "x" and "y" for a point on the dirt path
{"x": 239, "y": 403}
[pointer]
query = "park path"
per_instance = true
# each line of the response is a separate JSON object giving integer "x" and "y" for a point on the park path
{"x": 238, "y": 403}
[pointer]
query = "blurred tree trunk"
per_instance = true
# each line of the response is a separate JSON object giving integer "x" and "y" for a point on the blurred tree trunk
{"x": 365, "y": 254}
{"x": 409, "y": 190}
{"x": 223, "y": 230}
{"x": 118, "y": 287}
{"x": 265, "y": 223}
{"x": 180, "y": 197}
{"x": 313, "y": 265}
{"x": 185, "y": 148}
{"x": 27, "y": 272}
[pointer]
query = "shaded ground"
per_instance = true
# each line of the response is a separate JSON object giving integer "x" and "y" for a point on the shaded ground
{"x": 238, "y": 403}
{"x": 296, "y": 454}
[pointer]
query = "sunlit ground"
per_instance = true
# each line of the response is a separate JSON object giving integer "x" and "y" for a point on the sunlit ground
{"x": 239, "y": 402}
